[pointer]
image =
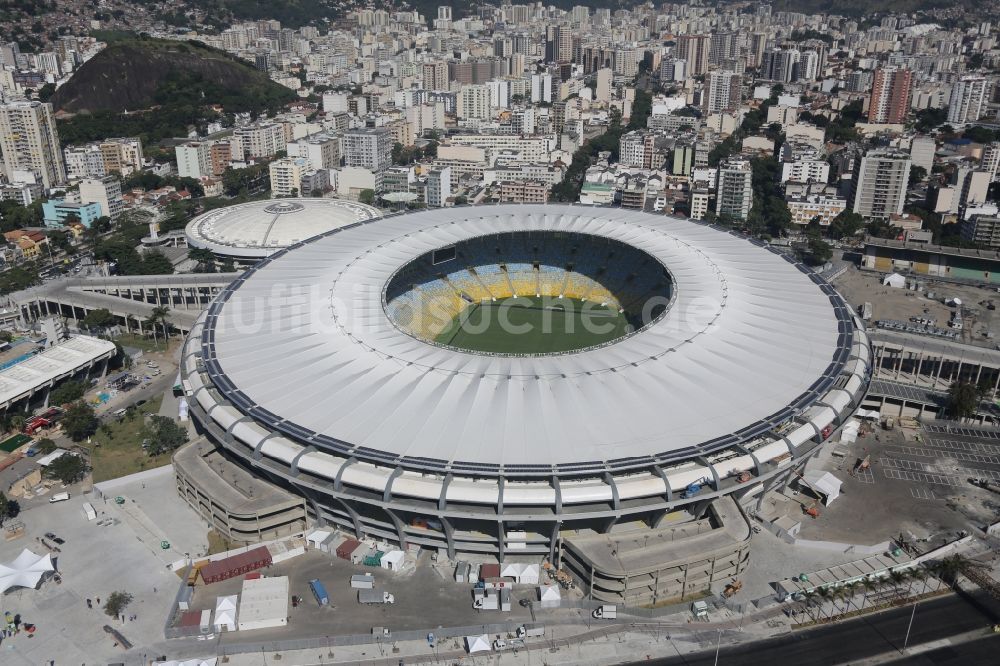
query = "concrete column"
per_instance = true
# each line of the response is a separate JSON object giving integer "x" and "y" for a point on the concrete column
{"x": 899, "y": 363}
{"x": 920, "y": 364}
{"x": 979, "y": 373}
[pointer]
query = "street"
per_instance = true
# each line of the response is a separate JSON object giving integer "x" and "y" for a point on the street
{"x": 852, "y": 641}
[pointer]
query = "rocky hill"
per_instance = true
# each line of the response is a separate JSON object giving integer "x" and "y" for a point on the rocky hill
{"x": 138, "y": 74}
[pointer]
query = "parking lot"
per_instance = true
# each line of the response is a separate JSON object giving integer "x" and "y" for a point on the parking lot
{"x": 94, "y": 561}
{"x": 981, "y": 325}
{"x": 917, "y": 485}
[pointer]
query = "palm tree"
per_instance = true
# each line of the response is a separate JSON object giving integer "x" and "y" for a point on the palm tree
{"x": 919, "y": 574}
{"x": 159, "y": 314}
{"x": 897, "y": 576}
{"x": 849, "y": 590}
{"x": 810, "y": 600}
{"x": 870, "y": 586}
{"x": 825, "y": 594}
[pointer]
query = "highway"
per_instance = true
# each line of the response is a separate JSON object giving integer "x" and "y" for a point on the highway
{"x": 879, "y": 635}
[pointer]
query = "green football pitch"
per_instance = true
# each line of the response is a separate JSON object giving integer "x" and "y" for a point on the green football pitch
{"x": 533, "y": 325}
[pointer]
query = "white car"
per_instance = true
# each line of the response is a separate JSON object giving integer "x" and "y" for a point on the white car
{"x": 659, "y": 204}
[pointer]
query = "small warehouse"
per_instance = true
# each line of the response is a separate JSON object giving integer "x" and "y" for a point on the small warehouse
{"x": 346, "y": 549}
{"x": 236, "y": 565}
{"x": 462, "y": 570}
{"x": 487, "y": 571}
{"x": 263, "y": 603}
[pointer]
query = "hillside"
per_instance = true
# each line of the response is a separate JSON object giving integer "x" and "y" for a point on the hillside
{"x": 132, "y": 75}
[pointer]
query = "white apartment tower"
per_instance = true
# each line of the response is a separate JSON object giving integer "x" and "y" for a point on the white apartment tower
{"x": 734, "y": 194}
{"x": 880, "y": 182}
{"x": 967, "y": 98}
{"x": 193, "y": 159}
{"x": 29, "y": 141}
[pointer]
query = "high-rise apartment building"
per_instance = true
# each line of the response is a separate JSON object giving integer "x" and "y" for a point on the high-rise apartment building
{"x": 880, "y": 181}
{"x": 991, "y": 160}
{"x": 474, "y": 102}
{"x": 438, "y": 187}
{"x": 259, "y": 140}
{"x": 722, "y": 91}
{"x": 734, "y": 191}
{"x": 967, "y": 98}
{"x": 370, "y": 148}
{"x": 695, "y": 49}
{"x": 106, "y": 192}
{"x": 435, "y": 75}
{"x": 286, "y": 176}
{"x": 891, "y": 92}
{"x": 29, "y": 141}
{"x": 193, "y": 159}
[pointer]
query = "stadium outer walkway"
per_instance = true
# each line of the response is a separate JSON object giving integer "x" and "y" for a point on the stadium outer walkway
{"x": 130, "y": 298}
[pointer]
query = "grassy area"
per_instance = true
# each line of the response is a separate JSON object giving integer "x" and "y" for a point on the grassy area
{"x": 116, "y": 451}
{"x": 218, "y": 543}
{"x": 141, "y": 342}
{"x": 541, "y": 325}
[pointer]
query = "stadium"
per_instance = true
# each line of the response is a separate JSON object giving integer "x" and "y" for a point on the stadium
{"x": 640, "y": 380}
{"x": 248, "y": 232}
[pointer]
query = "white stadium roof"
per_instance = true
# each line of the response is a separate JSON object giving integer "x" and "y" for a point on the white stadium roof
{"x": 260, "y": 228}
{"x": 303, "y": 344}
{"x": 54, "y": 363}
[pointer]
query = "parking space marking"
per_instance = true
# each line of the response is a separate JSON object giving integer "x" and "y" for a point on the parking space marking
{"x": 967, "y": 432}
{"x": 936, "y": 453}
{"x": 963, "y": 446}
{"x": 919, "y": 492}
{"x": 865, "y": 476}
{"x": 921, "y": 477}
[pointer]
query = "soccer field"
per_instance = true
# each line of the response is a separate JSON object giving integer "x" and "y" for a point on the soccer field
{"x": 538, "y": 325}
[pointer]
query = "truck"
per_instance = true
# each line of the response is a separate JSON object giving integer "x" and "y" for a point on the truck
{"x": 88, "y": 510}
{"x": 319, "y": 591}
{"x": 375, "y": 596}
{"x": 58, "y": 497}
{"x": 531, "y": 630}
{"x": 606, "y": 612}
{"x": 46, "y": 419}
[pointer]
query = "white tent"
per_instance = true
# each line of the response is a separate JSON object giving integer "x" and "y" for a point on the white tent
{"x": 526, "y": 574}
{"x": 549, "y": 596}
{"x": 225, "y": 613}
{"x": 476, "y": 644}
{"x": 849, "y": 433}
{"x": 867, "y": 414}
{"x": 894, "y": 280}
{"x": 393, "y": 560}
{"x": 210, "y": 661}
{"x": 824, "y": 483}
{"x": 25, "y": 571}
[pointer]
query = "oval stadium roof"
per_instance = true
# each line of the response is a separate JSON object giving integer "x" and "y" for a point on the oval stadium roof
{"x": 303, "y": 345}
{"x": 257, "y": 229}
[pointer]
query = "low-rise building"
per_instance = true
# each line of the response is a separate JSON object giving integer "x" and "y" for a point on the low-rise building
{"x": 56, "y": 212}
{"x": 524, "y": 191}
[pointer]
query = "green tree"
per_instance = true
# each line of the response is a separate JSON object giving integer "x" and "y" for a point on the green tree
{"x": 367, "y": 196}
{"x": 99, "y": 318}
{"x": 846, "y": 224}
{"x": 156, "y": 263}
{"x": 963, "y": 400}
{"x": 18, "y": 278}
{"x": 163, "y": 434}
{"x": 67, "y": 468}
{"x": 204, "y": 257}
{"x": 45, "y": 446}
{"x": 817, "y": 252}
{"x": 117, "y": 603}
{"x": 67, "y": 392}
{"x": 79, "y": 421}
{"x": 917, "y": 175}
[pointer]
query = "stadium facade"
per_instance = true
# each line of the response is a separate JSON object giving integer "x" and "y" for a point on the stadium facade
{"x": 304, "y": 372}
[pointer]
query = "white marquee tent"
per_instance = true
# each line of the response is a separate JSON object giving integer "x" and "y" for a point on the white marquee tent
{"x": 526, "y": 574}
{"x": 825, "y": 483}
{"x": 225, "y": 613}
{"x": 894, "y": 280}
{"x": 549, "y": 596}
{"x": 476, "y": 644}
{"x": 25, "y": 571}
